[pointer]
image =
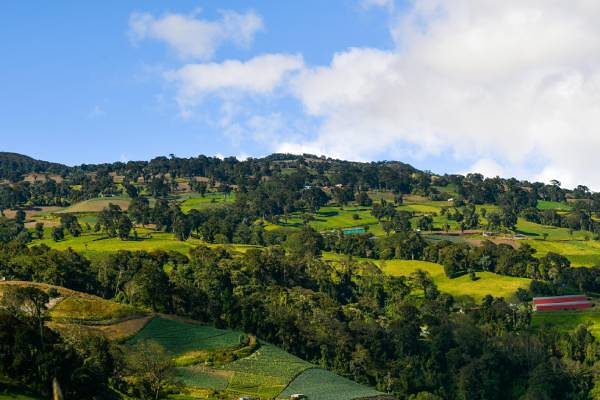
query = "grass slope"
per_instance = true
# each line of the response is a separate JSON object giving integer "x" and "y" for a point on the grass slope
{"x": 97, "y": 205}
{"x": 568, "y": 320}
{"x": 461, "y": 287}
{"x": 198, "y": 202}
{"x": 95, "y": 245}
{"x": 488, "y": 282}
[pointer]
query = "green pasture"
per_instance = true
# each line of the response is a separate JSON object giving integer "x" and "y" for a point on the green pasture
{"x": 460, "y": 288}
{"x": 584, "y": 253}
{"x": 198, "y": 202}
{"x": 568, "y": 320}
{"x": 333, "y": 217}
{"x": 95, "y": 245}
{"x": 488, "y": 282}
{"x": 181, "y": 337}
{"x": 536, "y": 231}
{"x": 553, "y": 205}
{"x": 320, "y": 384}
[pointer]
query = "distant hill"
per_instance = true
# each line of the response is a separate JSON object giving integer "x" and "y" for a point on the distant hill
{"x": 13, "y": 166}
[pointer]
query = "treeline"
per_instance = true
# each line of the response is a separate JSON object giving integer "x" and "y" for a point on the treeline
{"x": 161, "y": 176}
{"x": 400, "y": 334}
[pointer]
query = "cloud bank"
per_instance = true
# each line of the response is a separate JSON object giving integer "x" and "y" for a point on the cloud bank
{"x": 510, "y": 87}
{"x": 513, "y": 86}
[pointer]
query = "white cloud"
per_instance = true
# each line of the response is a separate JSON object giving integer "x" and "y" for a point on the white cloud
{"x": 259, "y": 75}
{"x": 196, "y": 38}
{"x": 514, "y": 83}
{"x": 488, "y": 168}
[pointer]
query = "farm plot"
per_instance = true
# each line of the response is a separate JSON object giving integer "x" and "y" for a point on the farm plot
{"x": 202, "y": 377}
{"x": 319, "y": 384}
{"x": 265, "y": 372}
{"x": 182, "y": 337}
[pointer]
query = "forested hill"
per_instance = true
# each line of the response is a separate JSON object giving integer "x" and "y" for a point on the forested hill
{"x": 14, "y": 166}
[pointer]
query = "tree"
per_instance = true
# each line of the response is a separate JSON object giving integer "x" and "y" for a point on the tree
{"x": 28, "y": 300}
{"x": 58, "y": 233}
{"x": 124, "y": 227}
{"x": 39, "y": 230}
{"x": 363, "y": 199}
{"x": 152, "y": 366}
{"x": 20, "y": 217}
{"x": 132, "y": 191}
{"x": 305, "y": 243}
{"x": 315, "y": 198}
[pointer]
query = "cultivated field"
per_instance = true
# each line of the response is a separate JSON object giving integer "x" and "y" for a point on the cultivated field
{"x": 319, "y": 384}
{"x": 182, "y": 337}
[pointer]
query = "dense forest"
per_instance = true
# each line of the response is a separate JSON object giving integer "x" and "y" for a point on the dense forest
{"x": 400, "y": 334}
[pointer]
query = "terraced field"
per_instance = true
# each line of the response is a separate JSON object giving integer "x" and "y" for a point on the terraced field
{"x": 266, "y": 372}
{"x": 319, "y": 384}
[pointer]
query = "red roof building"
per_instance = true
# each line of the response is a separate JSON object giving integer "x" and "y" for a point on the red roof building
{"x": 570, "y": 302}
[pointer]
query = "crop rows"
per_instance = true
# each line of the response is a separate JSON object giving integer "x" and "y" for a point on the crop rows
{"x": 180, "y": 337}
{"x": 319, "y": 384}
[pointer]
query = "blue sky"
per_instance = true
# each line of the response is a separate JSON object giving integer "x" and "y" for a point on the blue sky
{"x": 75, "y": 89}
{"x": 504, "y": 88}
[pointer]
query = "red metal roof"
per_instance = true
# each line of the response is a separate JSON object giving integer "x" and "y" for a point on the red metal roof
{"x": 559, "y": 299}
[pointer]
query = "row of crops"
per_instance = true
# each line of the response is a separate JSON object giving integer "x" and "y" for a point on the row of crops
{"x": 269, "y": 372}
{"x": 182, "y": 337}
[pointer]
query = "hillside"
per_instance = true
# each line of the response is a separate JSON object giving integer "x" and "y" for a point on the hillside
{"x": 14, "y": 166}
{"x": 378, "y": 271}
{"x": 210, "y": 361}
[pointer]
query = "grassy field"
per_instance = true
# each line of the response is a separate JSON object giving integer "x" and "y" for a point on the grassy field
{"x": 94, "y": 245}
{"x": 319, "y": 384}
{"x": 91, "y": 309}
{"x": 553, "y": 205}
{"x": 579, "y": 252}
{"x": 198, "y": 202}
{"x": 461, "y": 287}
{"x": 97, "y": 205}
{"x": 568, "y": 320}
{"x": 182, "y": 337}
